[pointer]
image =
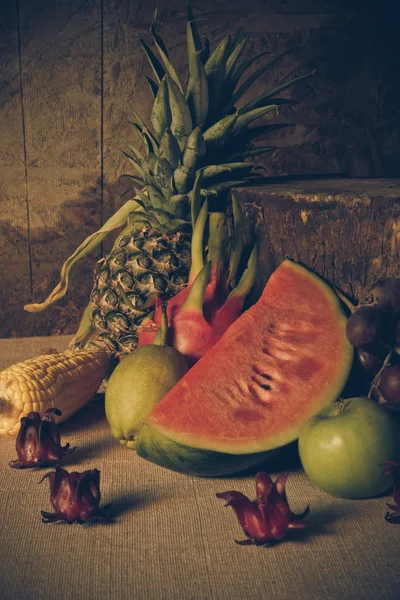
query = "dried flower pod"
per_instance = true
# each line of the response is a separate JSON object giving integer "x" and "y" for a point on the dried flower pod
{"x": 392, "y": 468}
{"x": 38, "y": 442}
{"x": 75, "y": 497}
{"x": 268, "y": 517}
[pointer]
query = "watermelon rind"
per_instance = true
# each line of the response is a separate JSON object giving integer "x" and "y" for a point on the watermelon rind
{"x": 160, "y": 450}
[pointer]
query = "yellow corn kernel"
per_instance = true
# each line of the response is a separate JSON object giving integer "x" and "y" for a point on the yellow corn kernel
{"x": 26, "y": 397}
{"x": 66, "y": 381}
{"x": 27, "y": 406}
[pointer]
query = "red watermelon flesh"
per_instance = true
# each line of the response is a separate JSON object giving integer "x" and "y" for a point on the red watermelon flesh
{"x": 278, "y": 364}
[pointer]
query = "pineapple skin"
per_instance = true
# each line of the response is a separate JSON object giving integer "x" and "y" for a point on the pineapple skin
{"x": 143, "y": 264}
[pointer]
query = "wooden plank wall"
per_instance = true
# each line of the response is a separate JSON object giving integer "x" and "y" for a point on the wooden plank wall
{"x": 50, "y": 156}
{"x": 69, "y": 72}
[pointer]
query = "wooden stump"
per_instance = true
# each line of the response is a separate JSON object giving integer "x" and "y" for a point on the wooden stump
{"x": 346, "y": 230}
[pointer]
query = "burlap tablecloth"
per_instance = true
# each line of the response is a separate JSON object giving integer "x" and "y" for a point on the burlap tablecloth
{"x": 171, "y": 538}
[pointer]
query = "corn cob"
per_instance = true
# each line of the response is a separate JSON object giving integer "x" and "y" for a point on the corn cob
{"x": 66, "y": 381}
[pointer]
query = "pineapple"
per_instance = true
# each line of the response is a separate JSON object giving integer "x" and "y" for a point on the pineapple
{"x": 145, "y": 262}
{"x": 196, "y": 147}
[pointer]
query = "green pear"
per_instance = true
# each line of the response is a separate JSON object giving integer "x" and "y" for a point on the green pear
{"x": 139, "y": 382}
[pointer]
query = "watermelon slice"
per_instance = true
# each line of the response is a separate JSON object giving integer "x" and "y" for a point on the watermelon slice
{"x": 280, "y": 363}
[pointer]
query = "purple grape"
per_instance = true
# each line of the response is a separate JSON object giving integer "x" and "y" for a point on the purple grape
{"x": 389, "y": 384}
{"x": 386, "y": 294}
{"x": 388, "y": 330}
{"x": 372, "y": 358}
{"x": 364, "y": 326}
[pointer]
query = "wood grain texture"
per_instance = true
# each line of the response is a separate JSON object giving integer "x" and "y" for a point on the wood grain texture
{"x": 60, "y": 46}
{"x": 15, "y": 279}
{"x": 71, "y": 69}
{"x": 347, "y": 231}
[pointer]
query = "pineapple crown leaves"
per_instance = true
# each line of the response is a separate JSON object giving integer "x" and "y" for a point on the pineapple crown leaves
{"x": 197, "y": 95}
{"x": 153, "y": 214}
{"x": 191, "y": 129}
{"x": 211, "y": 91}
{"x": 163, "y": 52}
{"x": 223, "y": 249}
{"x": 254, "y": 76}
{"x": 237, "y": 241}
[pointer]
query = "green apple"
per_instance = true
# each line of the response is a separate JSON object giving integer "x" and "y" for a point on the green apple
{"x": 343, "y": 447}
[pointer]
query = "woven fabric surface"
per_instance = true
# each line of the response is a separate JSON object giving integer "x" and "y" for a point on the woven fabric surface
{"x": 170, "y": 538}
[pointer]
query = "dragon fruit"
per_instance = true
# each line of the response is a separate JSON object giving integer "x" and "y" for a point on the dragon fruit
{"x": 201, "y": 313}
